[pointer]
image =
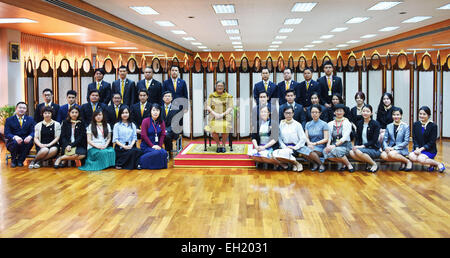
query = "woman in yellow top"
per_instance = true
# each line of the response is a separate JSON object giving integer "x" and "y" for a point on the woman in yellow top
{"x": 219, "y": 106}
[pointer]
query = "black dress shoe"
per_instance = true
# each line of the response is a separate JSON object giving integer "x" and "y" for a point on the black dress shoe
{"x": 56, "y": 166}
{"x": 20, "y": 164}
{"x": 219, "y": 150}
{"x": 224, "y": 150}
{"x": 351, "y": 170}
{"x": 13, "y": 164}
{"x": 408, "y": 169}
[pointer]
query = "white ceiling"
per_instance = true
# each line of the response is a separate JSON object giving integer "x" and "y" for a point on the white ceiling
{"x": 260, "y": 20}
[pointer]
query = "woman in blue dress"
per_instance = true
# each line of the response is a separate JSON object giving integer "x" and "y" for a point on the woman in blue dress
{"x": 153, "y": 131}
{"x": 317, "y": 135}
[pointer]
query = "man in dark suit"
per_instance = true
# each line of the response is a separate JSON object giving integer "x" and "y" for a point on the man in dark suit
{"x": 287, "y": 84}
{"x": 299, "y": 113}
{"x": 307, "y": 88}
{"x": 104, "y": 88}
{"x": 168, "y": 112}
{"x": 140, "y": 110}
{"x": 152, "y": 86}
{"x": 71, "y": 101}
{"x": 19, "y": 134}
{"x": 88, "y": 109}
{"x": 175, "y": 85}
{"x": 47, "y": 95}
{"x": 329, "y": 84}
{"x": 113, "y": 109}
{"x": 125, "y": 86}
{"x": 265, "y": 85}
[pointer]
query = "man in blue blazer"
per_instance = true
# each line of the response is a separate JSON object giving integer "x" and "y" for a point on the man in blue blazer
{"x": 47, "y": 95}
{"x": 64, "y": 109}
{"x": 307, "y": 88}
{"x": 167, "y": 113}
{"x": 104, "y": 88}
{"x": 176, "y": 85}
{"x": 299, "y": 112}
{"x": 87, "y": 109}
{"x": 152, "y": 86}
{"x": 19, "y": 134}
{"x": 125, "y": 86}
{"x": 265, "y": 85}
{"x": 287, "y": 84}
{"x": 140, "y": 110}
{"x": 329, "y": 84}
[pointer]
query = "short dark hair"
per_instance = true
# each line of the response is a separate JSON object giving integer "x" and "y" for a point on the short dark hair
{"x": 361, "y": 95}
{"x": 157, "y": 106}
{"x": 101, "y": 70}
{"x": 263, "y": 92}
{"x": 289, "y": 91}
{"x": 426, "y": 109}
{"x": 369, "y": 107}
{"x": 21, "y": 102}
{"x": 265, "y": 68}
{"x": 307, "y": 68}
{"x": 395, "y": 109}
{"x": 148, "y": 67}
{"x": 166, "y": 92}
{"x": 287, "y": 68}
{"x": 71, "y": 92}
{"x": 47, "y": 109}
{"x": 174, "y": 66}
{"x": 143, "y": 90}
{"x": 117, "y": 93}
{"x": 317, "y": 106}
{"x": 92, "y": 91}
{"x": 47, "y": 89}
{"x": 288, "y": 107}
{"x": 328, "y": 63}
{"x": 123, "y": 67}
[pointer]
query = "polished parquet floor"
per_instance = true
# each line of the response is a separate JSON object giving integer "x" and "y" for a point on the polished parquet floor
{"x": 224, "y": 203}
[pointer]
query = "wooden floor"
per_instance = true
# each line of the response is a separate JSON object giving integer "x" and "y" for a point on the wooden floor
{"x": 224, "y": 203}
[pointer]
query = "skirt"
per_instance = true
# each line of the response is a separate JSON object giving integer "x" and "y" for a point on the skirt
{"x": 267, "y": 153}
{"x": 127, "y": 159}
{"x": 78, "y": 150}
{"x": 54, "y": 145}
{"x": 339, "y": 151}
{"x": 373, "y": 153}
{"x": 429, "y": 154}
{"x": 99, "y": 159}
{"x": 153, "y": 159}
{"x": 305, "y": 150}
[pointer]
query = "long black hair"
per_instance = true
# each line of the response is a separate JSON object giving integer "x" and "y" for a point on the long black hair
{"x": 339, "y": 96}
{"x": 70, "y": 110}
{"x": 121, "y": 109}
{"x": 94, "y": 123}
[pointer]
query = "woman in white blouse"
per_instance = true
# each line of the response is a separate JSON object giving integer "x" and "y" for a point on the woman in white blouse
{"x": 291, "y": 138}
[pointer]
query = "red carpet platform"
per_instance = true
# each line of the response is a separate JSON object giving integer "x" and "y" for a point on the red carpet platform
{"x": 194, "y": 155}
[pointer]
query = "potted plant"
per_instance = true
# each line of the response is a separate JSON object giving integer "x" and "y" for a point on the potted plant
{"x": 5, "y": 112}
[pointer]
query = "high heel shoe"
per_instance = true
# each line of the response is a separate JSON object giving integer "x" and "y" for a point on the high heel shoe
{"x": 374, "y": 171}
{"x": 441, "y": 170}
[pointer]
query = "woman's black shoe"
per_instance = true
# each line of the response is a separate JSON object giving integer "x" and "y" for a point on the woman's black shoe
{"x": 343, "y": 168}
{"x": 224, "y": 150}
{"x": 374, "y": 171}
{"x": 321, "y": 170}
{"x": 219, "y": 150}
{"x": 56, "y": 166}
{"x": 315, "y": 168}
{"x": 351, "y": 170}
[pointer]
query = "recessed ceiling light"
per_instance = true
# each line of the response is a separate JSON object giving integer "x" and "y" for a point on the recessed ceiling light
{"x": 303, "y": 7}
{"x": 144, "y": 10}
{"x": 353, "y": 41}
{"x": 383, "y": 6}
{"x": 277, "y": 42}
{"x": 165, "y": 23}
{"x": 140, "y": 52}
{"x": 188, "y": 38}
{"x": 223, "y": 8}
{"x": 236, "y": 43}
{"x": 229, "y": 22}
{"x": 281, "y": 37}
{"x": 196, "y": 43}
{"x": 357, "y": 19}
{"x": 310, "y": 46}
{"x": 235, "y": 37}
{"x": 389, "y": 28}
{"x": 286, "y": 30}
{"x": 16, "y": 20}
{"x": 233, "y": 31}
{"x": 342, "y": 45}
{"x": 63, "y": 34}
{"x": 202, "y": 47}
{"x": 179, "y": 32}
{"x": 368, "y": 36}
{"x": 99, "y": 42}
{"x": 292, "y": 21}
{"x": 327, "y": 36}
{"x": 445, "y": 7}
{"x": 273, "y": 46}
{"x": 317, "y": 41}
{"x": 340, "y": 29}
{"x": 416, "y": 19}
{"x": 237, "y": 46}
{"x": 440, "y": 45}
{"x": 123, "y": 48}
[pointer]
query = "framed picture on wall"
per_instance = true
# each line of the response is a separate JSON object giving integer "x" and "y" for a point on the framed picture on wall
{"x": 14, "y": 49}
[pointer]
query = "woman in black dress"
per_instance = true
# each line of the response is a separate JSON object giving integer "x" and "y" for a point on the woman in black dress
{"x": 384, "y": 113}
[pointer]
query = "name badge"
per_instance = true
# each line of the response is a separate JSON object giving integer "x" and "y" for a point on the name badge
{"x": 329, "y": 93}
{"x": 156, "y": 138}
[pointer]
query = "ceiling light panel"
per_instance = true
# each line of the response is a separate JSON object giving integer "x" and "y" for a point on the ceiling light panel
{"x": 383, "y": 6}
{"x": 144, "y": 10}
{"x": 303, "y": 7}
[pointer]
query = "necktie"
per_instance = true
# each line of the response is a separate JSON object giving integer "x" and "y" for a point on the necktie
{"x": 142, "y": 110}
{"x": 167, "y": 110}
{"x": 146, "y": 84}
{"x": 122, "y": 89}
{"x": 93, "y": 108}
{"x": 117, "y": 112}
{"x": 265, "y": 85}
{"x": 287, "y": 85}
{"x": 307, "y": 85}
{"x": 175, "y": 85}
{"x": 98, "y": 85}
{"x": 20, "y": 121}
{"x": 329, "y": 84}
{"x": 46, "y": 104}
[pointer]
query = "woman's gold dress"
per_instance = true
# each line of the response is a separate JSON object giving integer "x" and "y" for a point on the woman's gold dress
{"x": 220, "y": 103}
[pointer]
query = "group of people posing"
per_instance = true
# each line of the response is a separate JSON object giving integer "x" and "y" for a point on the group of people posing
{"x": 313, "y": 122}
{"x": 99, "y": 133}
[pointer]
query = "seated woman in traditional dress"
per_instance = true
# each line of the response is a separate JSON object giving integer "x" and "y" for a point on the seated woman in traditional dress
{"x": 317, "y": 135}
{"x": 424, "y": 141}
{"x": 219, "y": 106}
{"x": 262, "y": 139}
{"x": 125, "y": 137}
{"x": 315, "y": 100}
{"x": 100, "y": 155}
{"x": 396, "y": 141}
{"x": 73, "y": 138}
{"x": 291, "y": 138}
{"x": 153, "y": 132}
{"x": 339, "y": 143}
{"x": 367, "y": 147}
{"x": 46, "y": 138}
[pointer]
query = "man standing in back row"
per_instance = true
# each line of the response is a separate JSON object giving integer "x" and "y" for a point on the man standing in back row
{"x": 329, "y": 84}
{"x": 176, "y": 85}
{"x": 104, "y": 88}
{"x": 287, "y": 84}
{"x": 125, "y": 86}
{"x": 152, "y": 86}
{"x": 265, "y": 85}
